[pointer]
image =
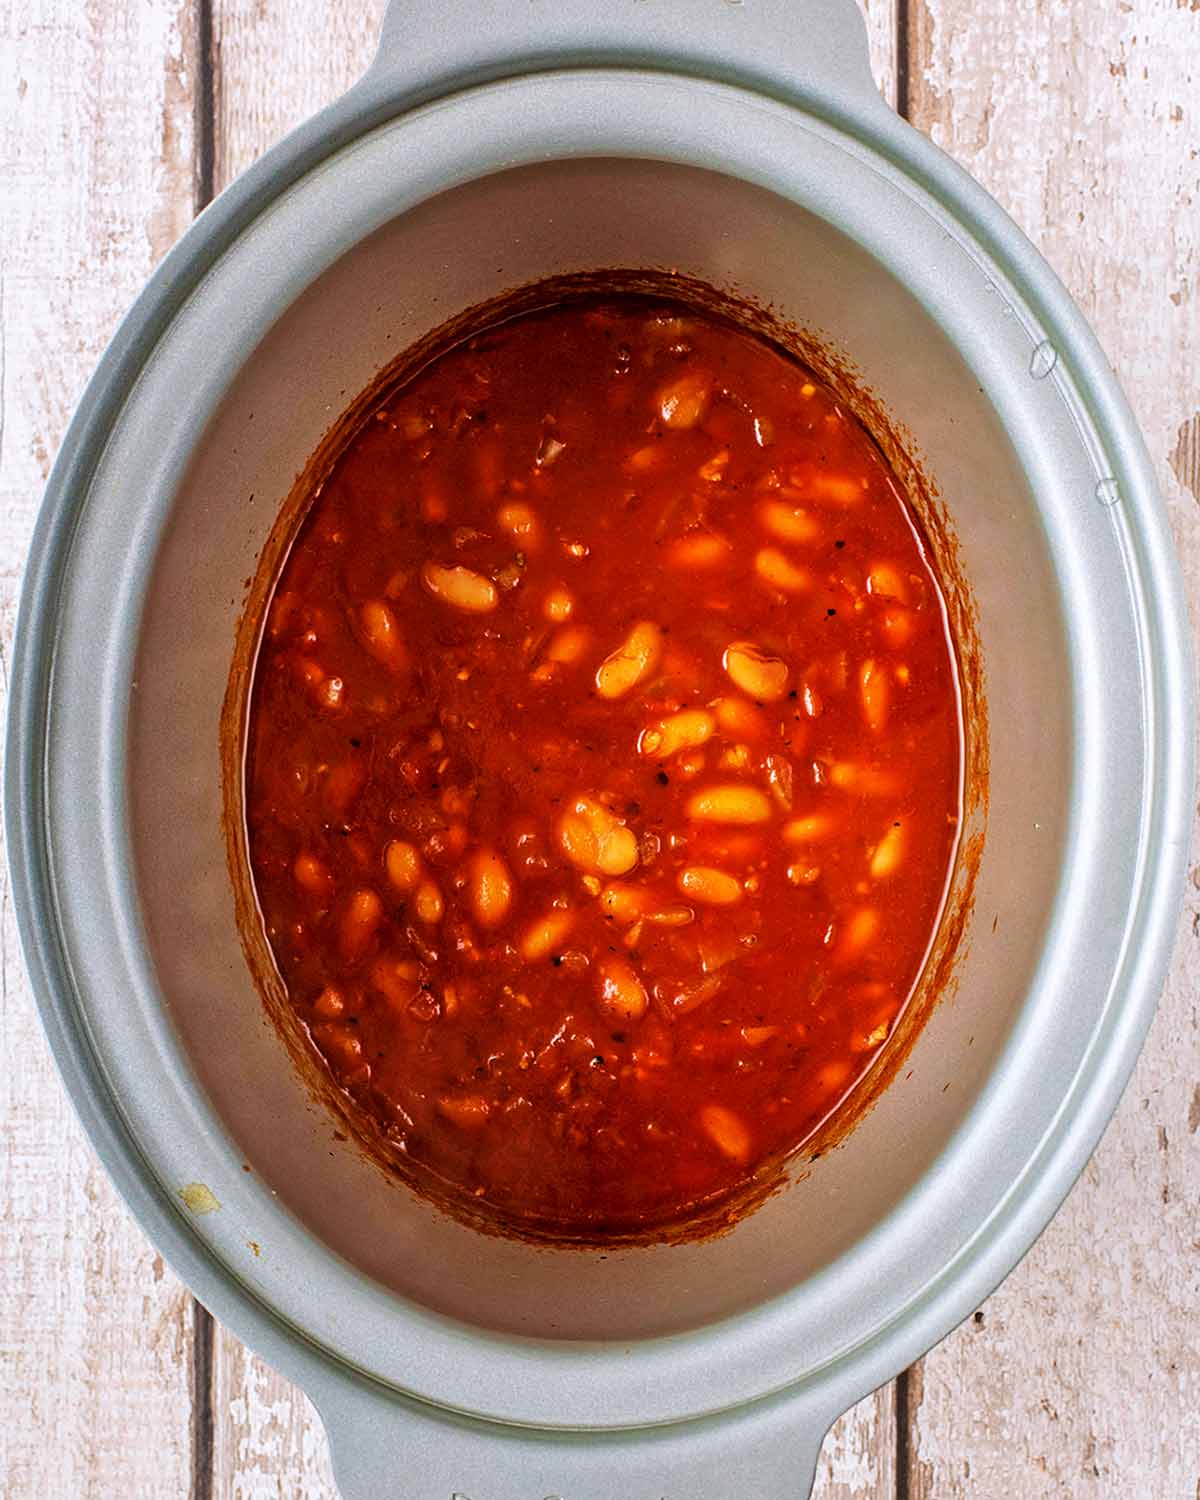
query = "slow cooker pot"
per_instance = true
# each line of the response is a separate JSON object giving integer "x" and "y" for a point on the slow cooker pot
{"x": 745, "y": 145}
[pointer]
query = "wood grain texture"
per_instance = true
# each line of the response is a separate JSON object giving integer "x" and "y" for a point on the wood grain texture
{"x": 96, "y": 142}
{"x": 275, "y": 63}
{"x": 883, "y": 18}
{"x": 1080, "y": 1377}
{"x": 268, "y": 1442}
{"x": 858, "y": 1457}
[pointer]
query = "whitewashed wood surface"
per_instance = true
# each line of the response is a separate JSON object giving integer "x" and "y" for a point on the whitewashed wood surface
{"x": 118, "y": 119}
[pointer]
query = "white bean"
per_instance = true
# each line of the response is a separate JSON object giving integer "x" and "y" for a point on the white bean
{"x": 460, "y": 588}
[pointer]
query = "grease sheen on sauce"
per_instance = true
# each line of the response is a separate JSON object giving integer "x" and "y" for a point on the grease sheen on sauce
{"x": 603, "y": 771}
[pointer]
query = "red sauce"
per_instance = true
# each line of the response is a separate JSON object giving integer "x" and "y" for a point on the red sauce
{"x": 604, "y": 761}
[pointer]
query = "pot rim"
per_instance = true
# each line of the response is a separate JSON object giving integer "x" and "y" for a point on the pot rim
{"x": 1164, "y": 650}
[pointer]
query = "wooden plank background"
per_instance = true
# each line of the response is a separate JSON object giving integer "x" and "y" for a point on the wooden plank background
{"x": 118, "y": 120}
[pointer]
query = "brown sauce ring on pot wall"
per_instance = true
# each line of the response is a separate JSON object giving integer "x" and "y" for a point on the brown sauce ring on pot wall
{"x": 937, "y": 977}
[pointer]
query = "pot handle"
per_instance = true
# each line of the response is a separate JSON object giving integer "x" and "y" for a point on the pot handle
{"x": 387, "y": 1447}
{"x": 811, "y": 51}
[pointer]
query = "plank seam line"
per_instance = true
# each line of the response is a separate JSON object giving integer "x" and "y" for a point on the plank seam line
{"x": 205, "y": 116}
{"x": 903, "y": 60}
{"x": 202, "y": 1403}
{"x": 204, "y": 126}
{"x": 902, "y": 1404}
{"x": 902, "y": 1414}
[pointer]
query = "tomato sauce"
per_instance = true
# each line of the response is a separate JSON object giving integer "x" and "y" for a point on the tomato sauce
{"x": 603, "y": 772}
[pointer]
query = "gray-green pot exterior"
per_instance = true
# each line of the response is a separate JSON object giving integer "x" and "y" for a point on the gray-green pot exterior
{"x": 745, "y": 144}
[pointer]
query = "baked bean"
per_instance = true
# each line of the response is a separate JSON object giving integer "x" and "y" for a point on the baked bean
{"x": 869, "y": 781}
{"x": 521, "y": 523}
{"x": 624, "y": 903}
{"x": 623, "y": 997}
{"x": 644, "y": 458}
{"x": 731, "y": 803}
{"x": 838, "y": 488}
{"x": 595, "y": 840}
{"x": 780, "y": 779}
{"x": 887, "y": 581}
{"x": 330, "y": 1003}
{"x": 898, "y": 626}
{"x": 774, "y": 568}
{"x": 713, "y": 470}
{"x": 699, "y": 549}
{"x": 632, "y": 662}
{"x": 740, "y": 719}
{"x": 330, "y": 692}
{"x": 381, "y": 635}
{"x": 833, "y": 1078}
{"x": 869, "y": 1040}
{"x": 547, "y": 935}
{"x": 680, "y": 998}
{"x": 762, "y": 676}
{"x": 790, "y": 523}
{"x": 680, "y": 731}
{"x": 712, "y": 887}
{"x": 568, "y": 645}
{"x": 550, "y": 450}
{"x": 685, "y": 402}
{"x": 558, "y": 604}
{"x": 873, "y": 687}
{"x": 728, "y": 1131}
{"x": 758, "y": 1036}
{"x": 312, "y": 876}
{"x": 859, "y": 932}
{"x": 492, "y": 889}
{"x": 428, "y": 903}
{"x": 810, "y": 829}
{"x": 460, "y": 588}
{"x": 403, "y": 865}
{"x": 360, "y": 921}
{"x": 671, "y": 916}
{"x": 888, "y": 853}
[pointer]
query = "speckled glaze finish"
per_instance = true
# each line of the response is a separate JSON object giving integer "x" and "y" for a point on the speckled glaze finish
{"x": 751, "y": 152}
